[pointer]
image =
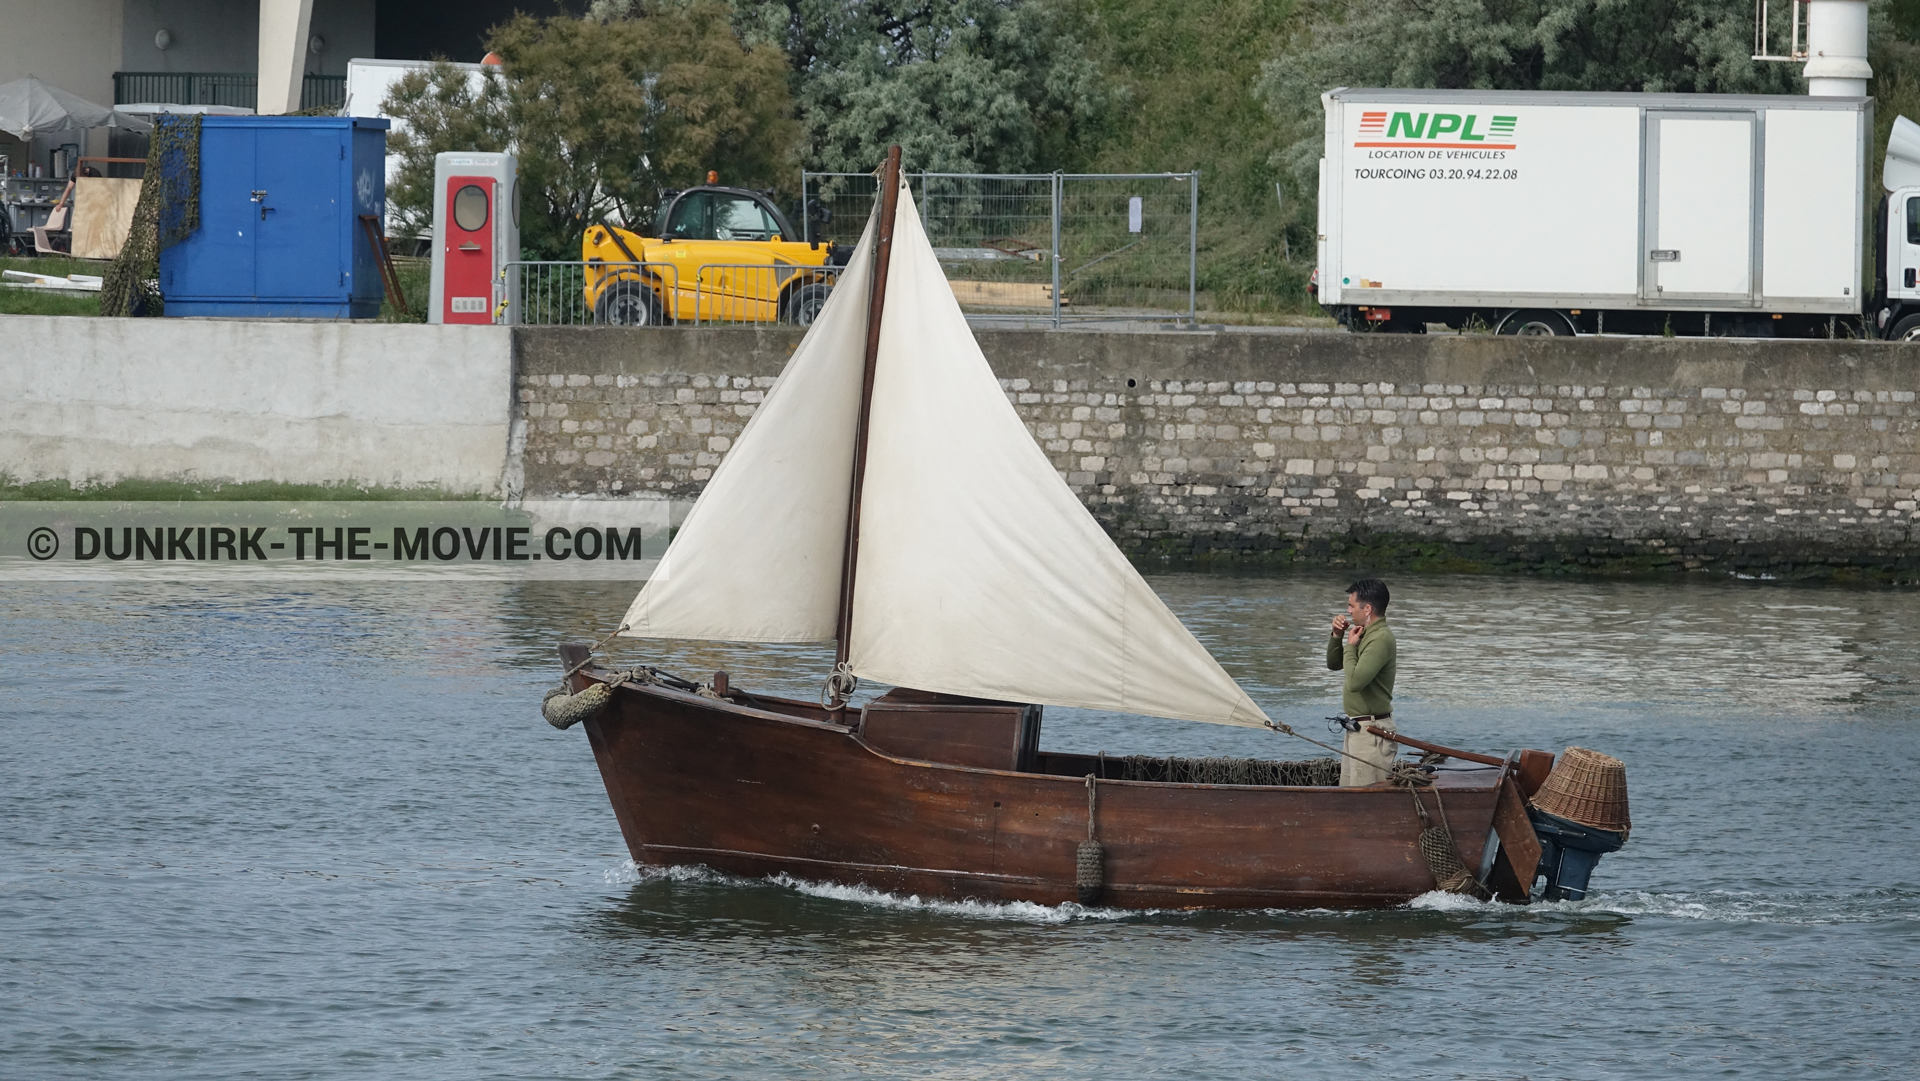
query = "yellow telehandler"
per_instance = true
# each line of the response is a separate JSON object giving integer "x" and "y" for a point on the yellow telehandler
{"x": 717, "y": 254}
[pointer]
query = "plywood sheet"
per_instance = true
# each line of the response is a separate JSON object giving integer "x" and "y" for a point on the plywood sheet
{"x": 1003, "y": 294}
{"x": 102, "y": 215}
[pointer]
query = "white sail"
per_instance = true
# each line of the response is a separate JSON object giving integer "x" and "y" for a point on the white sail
{"x": 759, "y": 557}
{"x": 980, "y": 573}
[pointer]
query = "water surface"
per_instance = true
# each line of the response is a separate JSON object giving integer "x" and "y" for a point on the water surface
{"x": 311, "y": 826}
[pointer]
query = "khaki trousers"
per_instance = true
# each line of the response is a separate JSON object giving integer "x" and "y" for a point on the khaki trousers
{"x": 1376, "y": 755}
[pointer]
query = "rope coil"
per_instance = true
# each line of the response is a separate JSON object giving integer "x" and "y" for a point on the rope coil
{"x": 839, "y": 687}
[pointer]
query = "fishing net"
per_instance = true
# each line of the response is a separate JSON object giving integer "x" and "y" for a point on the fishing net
{"x": 167, "y": 213}
{"x": 1319, "y": 772}
{"x": 1443, "y": 860}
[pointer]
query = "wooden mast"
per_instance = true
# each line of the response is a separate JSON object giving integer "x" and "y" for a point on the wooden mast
{"x": 877, "y": 300}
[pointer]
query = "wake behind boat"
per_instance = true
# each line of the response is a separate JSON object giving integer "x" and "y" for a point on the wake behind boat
{"x": 886, "y": 497}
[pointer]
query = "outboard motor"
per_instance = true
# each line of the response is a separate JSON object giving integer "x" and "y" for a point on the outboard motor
{"x": 1569, "y": 852}
{"x": 1579, "y": 815}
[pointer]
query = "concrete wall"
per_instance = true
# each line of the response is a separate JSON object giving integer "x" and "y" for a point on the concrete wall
{"x": 73, "y": 44}
{"x": 224, "y": 35}
{"x": 1617, "y": 453}
{"x": 103, "y": 400}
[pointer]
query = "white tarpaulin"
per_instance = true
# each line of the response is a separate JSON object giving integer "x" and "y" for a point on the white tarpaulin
{"x": 758, "y": 558}
{"x": 980, "y": 571}
{"x": 29, "y": 107}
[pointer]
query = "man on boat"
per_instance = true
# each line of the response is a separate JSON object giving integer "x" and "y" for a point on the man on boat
{"x": 1362, "y": 647}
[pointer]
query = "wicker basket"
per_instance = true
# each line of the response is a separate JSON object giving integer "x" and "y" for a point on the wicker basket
{"x": 1589, "y": 788}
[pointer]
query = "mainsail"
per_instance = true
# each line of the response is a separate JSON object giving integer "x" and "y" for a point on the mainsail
{"x": 979, "y": 571}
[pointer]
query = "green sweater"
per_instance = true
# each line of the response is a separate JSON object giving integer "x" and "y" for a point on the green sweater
{"x": 1369, "y": 669}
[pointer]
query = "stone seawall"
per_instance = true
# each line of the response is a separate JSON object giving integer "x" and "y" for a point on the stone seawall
{"x": 1611, "y": 454}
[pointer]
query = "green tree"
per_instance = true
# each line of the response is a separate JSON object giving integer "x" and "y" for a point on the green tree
{"x": 1186, "y": 72}
{"x": 961, "y": 85}
{"x": 444, "y": 110}
{"x": 1675, "y": 46}
{"x": 603, "y": 114}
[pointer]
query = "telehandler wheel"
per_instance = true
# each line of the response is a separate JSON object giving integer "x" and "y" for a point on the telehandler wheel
{"x": 803, "y": 307}
{"x": 1906, "y": 330}
{"x": 628, "y": 304}
{"x": 1535, "y": 323}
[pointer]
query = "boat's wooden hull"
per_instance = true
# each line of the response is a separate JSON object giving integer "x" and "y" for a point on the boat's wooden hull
{"x": 760, "y": 791}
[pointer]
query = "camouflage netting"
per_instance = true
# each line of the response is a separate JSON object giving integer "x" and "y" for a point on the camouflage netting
{"x": 167, "y": 213}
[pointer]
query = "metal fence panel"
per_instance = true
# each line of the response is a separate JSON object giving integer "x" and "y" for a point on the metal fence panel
{"x": 562, "y": 293}
{"x": 1128, "y": 246}
{"x": 994, "y": 238}
{"x": 1071, "y": 247}
{"x": 835, "y": 206}
{"x": 218, "y": 88}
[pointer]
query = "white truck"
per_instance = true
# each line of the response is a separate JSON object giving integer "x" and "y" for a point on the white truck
{"x": 1583, "y": 213}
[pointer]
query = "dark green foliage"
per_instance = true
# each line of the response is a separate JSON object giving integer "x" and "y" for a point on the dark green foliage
{"x": 962, "y": 85}
{"x": 1186, "y": 73}
{"x": 602, "y": 114}
{"x": 1685, "y": 46}
{"x": 444, "y": 111}
{"x": 415, "y": 283}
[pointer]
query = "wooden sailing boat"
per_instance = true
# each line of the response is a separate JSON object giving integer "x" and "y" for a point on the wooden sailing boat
{"x": 886, "y": 496}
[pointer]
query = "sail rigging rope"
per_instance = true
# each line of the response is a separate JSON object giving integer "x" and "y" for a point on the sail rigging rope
{"x": 1282, "y": 726}
{"x": 591, "y": 650}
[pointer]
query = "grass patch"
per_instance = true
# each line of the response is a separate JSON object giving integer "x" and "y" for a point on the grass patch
{"x": 167, "y": 491}
{"x": 1188, "y": 71}
{"x": 45, "y": 301}
{"x": 414, "y": 274}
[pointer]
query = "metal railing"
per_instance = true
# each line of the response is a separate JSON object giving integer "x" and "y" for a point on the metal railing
{"x": 1070, "y": 246}
{"x": 237, "y": 90}
{"x": 566, "y": 293}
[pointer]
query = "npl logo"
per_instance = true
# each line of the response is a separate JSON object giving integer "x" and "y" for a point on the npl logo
{"x": 1459, "y": 131}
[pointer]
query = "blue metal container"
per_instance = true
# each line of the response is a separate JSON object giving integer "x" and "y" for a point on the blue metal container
{"x": 281, "y": 236}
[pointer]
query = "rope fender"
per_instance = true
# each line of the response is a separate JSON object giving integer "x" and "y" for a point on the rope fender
{"x": 1089, "y": 858}
{"x": 563, "y": 710}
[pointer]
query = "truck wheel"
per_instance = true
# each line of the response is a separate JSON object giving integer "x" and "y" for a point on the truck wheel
{"x": 1906, "y": 330}
{"x": 1535, "y": 323}
{"x": 628, "y": 305}
{"x": 803, "y": 307}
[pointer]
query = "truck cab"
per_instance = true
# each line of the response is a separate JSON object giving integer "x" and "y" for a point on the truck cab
{"x": 714, "y": 254}
{"x": 1896, "y": 315}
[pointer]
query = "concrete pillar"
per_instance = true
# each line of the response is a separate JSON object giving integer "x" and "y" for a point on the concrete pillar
{"x": 1837, "y": 49}
{"x": 284, "y": 27}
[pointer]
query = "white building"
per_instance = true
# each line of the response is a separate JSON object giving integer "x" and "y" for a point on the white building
{"x": 212, "y": 52}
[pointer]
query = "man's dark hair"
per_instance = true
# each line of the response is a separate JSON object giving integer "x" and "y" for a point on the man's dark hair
{"x": 1371, "y": 591}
